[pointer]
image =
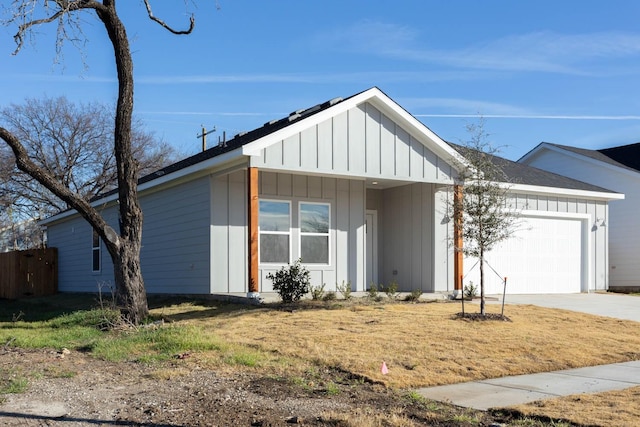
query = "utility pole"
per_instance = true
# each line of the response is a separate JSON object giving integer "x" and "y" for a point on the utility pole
{"x": 204, "y": 136}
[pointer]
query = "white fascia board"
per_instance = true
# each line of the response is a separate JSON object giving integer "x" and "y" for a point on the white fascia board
{"x": 381, "y": 101}
{"x": 564, "y": 192}
{"x": 397, "y": 113}
{"x": 195, "y": 170}
{"x": 540, "y": 147}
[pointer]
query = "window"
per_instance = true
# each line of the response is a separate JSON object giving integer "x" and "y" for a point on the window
{"x": 95, "y": 251}
{"x": 314, "y": 233}
{"x": 275, "y": 231}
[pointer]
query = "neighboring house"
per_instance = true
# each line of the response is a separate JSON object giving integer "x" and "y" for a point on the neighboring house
{"x": 618, "y": 169}
{"x": 355, "y": 187}
{"x": 21, "y": 236}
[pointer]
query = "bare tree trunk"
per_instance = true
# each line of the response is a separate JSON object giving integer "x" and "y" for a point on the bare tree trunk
{"x": 130, "y": 293}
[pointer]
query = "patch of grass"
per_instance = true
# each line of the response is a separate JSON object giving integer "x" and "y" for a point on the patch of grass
{"x": 55, "y": 372}
{"x": 302, "y": 383}
{"x": 466, "y": 419}
{"x": 101, "y": 319}
{"x": 150, "y": 345}
{"x": 12, "y": 382}
{"x": 415, "y": 397}
{"x": 331, "y": 389}
{"x": 365, "y": 419}
{"x": 247, "y": 358}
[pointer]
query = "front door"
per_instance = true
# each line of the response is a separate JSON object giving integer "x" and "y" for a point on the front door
{"x": 371, "y": 228}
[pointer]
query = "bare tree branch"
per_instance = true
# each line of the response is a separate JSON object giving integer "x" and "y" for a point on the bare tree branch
{"x": 74, "y": 200}
{"x": 192, "y": 21}
{"x": 22, "y": 29}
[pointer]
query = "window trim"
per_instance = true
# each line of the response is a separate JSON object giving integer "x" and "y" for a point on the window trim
{"x": 262, "y": 232}
{"x": 96, "y": 247}
{"x": 302, "y": 234}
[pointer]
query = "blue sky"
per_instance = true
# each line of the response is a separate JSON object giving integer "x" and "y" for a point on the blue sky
{"x": 557, "y": 71}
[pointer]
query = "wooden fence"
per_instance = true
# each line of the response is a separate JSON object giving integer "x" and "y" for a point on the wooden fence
{"x": 32, "y": 272}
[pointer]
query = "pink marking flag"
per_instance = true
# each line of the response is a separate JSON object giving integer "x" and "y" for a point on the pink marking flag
{"x": 384, "y": 369}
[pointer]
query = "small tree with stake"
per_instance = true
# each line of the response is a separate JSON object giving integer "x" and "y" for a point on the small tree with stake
{"x": 486, "y": 215}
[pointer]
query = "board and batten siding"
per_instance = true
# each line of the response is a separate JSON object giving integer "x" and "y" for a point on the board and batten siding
{"x": 405, "y": 235}
{"x": 622, "y": 221}
{"x": 229, "y": 238}
{"x": 596, "y": 253}
{"x": 347, "y": 235}
{"x": 175, "y": 244}
{"x": 360, "y": 142}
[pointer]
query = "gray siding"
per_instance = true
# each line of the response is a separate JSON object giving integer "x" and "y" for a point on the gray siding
{"x": 229, "y": 239}
{"x": 175, "y": 244}
{"x": 347, "y": 200}
{"x": 73, "y": 238}
{"x": 406, "y": 235}
{"x": 175, "y": 251}
{"x": 359, "y": 142}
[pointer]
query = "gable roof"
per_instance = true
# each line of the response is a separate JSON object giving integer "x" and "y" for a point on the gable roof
{"x": 246, "y": 144}
{"x": 624, "y": 156}
{"x": 522, "y": 174}
{"x": 250, "y": 143}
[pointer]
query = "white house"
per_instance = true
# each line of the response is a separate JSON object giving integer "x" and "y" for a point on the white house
{"x": 618, "y": 169}
{"x": 355, "y": 187}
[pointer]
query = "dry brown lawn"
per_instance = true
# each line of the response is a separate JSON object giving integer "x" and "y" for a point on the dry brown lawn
{"x": 613, "y": 408}
{"x": 423, "y": 345}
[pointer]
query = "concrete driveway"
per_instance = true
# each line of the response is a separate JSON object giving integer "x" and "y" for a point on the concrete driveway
{"x": 619, "y": 306}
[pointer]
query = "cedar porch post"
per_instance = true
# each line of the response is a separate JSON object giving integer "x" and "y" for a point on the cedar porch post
{"x": 252, "y": 222}
{"x": 457, "y": 240}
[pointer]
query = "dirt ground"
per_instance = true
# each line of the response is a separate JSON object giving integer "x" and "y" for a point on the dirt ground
{"x": 75, "y": 390}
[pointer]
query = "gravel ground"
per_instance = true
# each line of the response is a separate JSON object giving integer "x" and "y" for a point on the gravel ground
{"x": 75, "y": 390}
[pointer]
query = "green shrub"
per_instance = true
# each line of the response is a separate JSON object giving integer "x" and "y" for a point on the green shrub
{"x": 317, "y": 292}
{"x": 392, "y": 290}
{"x": 345, "y": 290}
{"x": 470, "y": 290}
{"x": 414, "y": 295}
{"x": 329, "y": 296}
{"x": 291, "y": 282}
{"x": 372, "y": 292}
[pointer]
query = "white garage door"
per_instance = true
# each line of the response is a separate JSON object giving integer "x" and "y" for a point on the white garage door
{"x": 544, "y": 256}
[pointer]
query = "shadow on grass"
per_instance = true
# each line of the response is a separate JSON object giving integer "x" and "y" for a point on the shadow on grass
{"x": 173, "y": 308}
{"x": 168, "y": 307}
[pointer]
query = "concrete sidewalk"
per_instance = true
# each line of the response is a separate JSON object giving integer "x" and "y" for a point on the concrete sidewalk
{"x": 501, "y": 392}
